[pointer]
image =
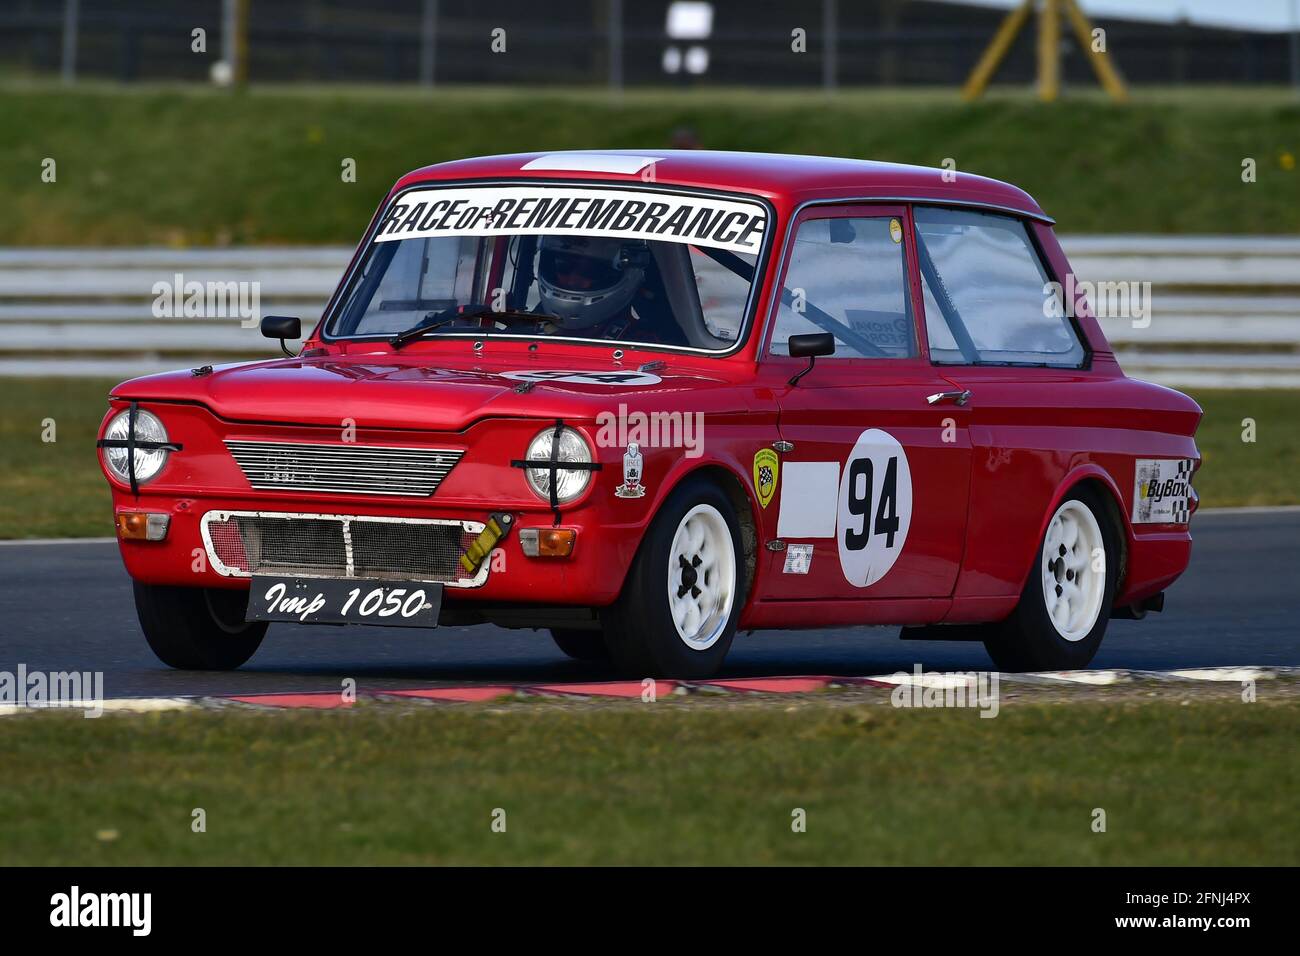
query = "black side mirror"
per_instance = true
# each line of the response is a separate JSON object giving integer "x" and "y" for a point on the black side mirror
{"x": 282, "y": 327}
{"x": 810, "y": 345}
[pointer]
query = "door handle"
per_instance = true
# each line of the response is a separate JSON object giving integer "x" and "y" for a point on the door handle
{"x": 957, "y": 398}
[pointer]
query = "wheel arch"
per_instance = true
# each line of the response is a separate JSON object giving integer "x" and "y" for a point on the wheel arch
{"x": 1099, "y": 480}
{"x": 725, "y": 476}
{"x": 747, "y": 513}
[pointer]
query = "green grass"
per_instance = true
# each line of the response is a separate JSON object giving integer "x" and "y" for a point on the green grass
{"x": 1236, "y": 472}
{"x": 674, "y": 782}
{"x": 181, "y": 165}
{"x": 55, "y": 489}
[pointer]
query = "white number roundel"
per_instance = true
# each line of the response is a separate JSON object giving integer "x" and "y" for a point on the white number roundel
{"x": 875, "y": 507}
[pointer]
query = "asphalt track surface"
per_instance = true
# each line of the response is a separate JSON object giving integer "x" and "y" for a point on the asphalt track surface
{"x": 67, "y": 606}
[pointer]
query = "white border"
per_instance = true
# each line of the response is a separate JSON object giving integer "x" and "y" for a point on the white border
{"x": 471, "y": 527}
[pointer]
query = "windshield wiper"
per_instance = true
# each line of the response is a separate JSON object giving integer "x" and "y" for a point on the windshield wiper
{"x": 438, "y": 320}
{"x": 434, "y": 320}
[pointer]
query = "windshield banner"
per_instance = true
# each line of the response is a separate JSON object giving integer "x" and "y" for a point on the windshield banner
{"x": 546, "y": 210}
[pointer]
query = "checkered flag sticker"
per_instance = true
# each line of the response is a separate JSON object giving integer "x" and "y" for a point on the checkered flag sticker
{"x": 1182, "y": 511}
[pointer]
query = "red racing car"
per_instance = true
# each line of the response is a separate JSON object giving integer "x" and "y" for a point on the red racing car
{"x": 646, "y": 401}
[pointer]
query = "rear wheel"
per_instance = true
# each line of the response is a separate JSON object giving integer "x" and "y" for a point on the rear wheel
{"x": 1064, "y": 609}
{"x": 581, "y": 645}
{"x": 197, "y": 629}
{"x": 678, "y": 611}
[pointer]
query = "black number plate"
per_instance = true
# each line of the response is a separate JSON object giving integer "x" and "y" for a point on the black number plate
{"x": 344, "y": 601}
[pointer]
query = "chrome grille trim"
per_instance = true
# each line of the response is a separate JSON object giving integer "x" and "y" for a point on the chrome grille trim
{"x": 348, "y": 566}
{"x": 342, "y": 468}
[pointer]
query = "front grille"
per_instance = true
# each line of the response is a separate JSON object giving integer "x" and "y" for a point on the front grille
{"x": 242, "y": 543}
{"x": 418, "y": 551}
{"x": 343, "y": 468}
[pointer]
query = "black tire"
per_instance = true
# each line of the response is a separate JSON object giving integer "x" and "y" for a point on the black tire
{"x": 581, "y": 645}
{"x": 1028, "y": 640}
{"x": 639, "y": 630}
{"x": 197, "y": 629}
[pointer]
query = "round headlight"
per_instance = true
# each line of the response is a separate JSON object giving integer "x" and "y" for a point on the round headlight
{"x": 148, "y": 461}
{"x": 569, "y": 482}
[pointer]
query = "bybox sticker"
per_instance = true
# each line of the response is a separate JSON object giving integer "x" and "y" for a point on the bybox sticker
{"x": 1162, "y": 490}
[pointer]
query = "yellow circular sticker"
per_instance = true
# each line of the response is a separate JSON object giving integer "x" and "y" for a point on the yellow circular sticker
{"x": 895, "y": 230}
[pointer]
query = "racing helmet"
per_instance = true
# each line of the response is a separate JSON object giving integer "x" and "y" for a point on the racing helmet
{"x": 587, "y": 280}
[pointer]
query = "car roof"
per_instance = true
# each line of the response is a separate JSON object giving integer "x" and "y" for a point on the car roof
{"x": 787, "y": 179}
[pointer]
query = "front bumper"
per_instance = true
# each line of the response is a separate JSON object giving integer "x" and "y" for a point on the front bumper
{"x": 591, "y": 576}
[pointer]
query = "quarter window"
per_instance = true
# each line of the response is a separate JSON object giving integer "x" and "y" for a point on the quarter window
{"x": 848, "y": 277}
{"x": 988, "y": 298}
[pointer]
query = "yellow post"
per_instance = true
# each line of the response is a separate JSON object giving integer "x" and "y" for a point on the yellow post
{"x": 1049, "y": 52}
{"x": 240, "y": 72}
{"x": 996, "y": 51}
{"x": 1107, "y": 75}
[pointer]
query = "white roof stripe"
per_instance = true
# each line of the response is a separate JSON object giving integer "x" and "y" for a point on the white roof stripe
{"x": 592, "y": 162}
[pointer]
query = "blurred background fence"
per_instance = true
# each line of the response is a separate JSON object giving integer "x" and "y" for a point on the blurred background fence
{"x": 165, "y": 167}
{"x": 1225, "y": 311}
{"x": 723, "y": 42}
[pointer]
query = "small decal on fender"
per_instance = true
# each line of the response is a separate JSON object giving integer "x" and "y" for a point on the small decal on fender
{"x": 767, "y": 472}
{"x": 798, "y": 559}
{"x": 632, "y": 464}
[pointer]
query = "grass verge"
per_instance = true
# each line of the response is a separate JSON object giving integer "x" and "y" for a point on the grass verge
{"x": 190, "y": 165}
{"x": 671, "y": 783}
{"x": 55, "y": 489}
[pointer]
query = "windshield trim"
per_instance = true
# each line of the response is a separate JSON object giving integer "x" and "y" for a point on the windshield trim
{"x": 366, "y": 247}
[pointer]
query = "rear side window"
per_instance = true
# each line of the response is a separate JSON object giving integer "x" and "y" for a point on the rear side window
{"x": 987, "y": 295}
{"x": 848, "y": 276}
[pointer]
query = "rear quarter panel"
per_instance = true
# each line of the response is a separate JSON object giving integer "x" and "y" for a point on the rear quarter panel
{"x": 1036, "y": 433}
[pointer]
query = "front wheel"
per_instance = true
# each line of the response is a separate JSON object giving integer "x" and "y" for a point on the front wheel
{"x": 1064, "y": 609}
{"x": 678, "y": 611}
{"x": 197, "y": 629}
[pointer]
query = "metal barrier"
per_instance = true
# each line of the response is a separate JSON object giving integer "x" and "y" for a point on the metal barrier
{"x": 1224, "y": 312}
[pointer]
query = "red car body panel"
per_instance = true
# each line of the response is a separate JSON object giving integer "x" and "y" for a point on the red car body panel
{"x": 982, "y": 498}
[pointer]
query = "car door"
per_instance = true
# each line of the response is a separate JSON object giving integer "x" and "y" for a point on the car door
{"x": 876, "y": 462}
{"x": 996, "y": 327}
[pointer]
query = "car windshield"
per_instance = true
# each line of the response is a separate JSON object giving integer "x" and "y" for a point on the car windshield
{"x": 640, "y": 267}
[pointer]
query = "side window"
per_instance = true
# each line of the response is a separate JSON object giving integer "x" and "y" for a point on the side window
{"x": 987, "y": 294}
{"x": 723, "y": 294}
{"x": 848, "y": 277}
